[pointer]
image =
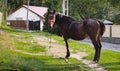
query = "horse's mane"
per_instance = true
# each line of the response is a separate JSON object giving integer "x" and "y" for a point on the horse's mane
{"x": 62, "y": 16}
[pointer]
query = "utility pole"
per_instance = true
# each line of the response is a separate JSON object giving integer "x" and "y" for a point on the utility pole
{"x": 65, "y": 7}
{"x": 27, "y": 22}
{"x": 6, "y": 11}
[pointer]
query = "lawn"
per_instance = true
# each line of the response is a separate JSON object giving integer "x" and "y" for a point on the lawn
{"x": 11, "y": 39}
{"x": 11, "y": 60}
{"x": 110, "y": 60}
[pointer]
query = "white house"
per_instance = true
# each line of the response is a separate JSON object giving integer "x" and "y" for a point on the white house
{"x": 18, "y": 18}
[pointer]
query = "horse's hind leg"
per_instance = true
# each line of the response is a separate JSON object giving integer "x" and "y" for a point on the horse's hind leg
{"x": 100, "y": 46}
{"x": 97, "y": 46}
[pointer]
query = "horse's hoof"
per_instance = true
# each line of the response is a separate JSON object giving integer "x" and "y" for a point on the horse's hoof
{"x": 92, "y": 62}
{"x": 66, "y": 60}
{"x": 95, "y": 61}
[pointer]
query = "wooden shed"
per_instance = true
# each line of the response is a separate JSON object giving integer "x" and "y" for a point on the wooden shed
{"x": 18, "y": 18}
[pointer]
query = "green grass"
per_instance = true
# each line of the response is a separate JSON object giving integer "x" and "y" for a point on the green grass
{"x": 11, "y": 60}
{"x": 21, "y": 40}
{"x": 110, "y": 60}
{"x": 21, "y": 62}
{"x": 75, "y": 45}
{"x": 30, "y": 47}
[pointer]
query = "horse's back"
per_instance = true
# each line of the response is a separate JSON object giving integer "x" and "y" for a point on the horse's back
{"x": 76, "y": 30}
{"x": 92, "y": 26}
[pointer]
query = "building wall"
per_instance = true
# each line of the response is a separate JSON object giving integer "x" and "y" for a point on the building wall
{"x": 115, "y": 31}
{"x": 0, "y": 18}
{"x": 19, "y": 24}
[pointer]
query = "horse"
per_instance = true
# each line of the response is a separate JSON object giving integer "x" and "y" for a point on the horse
{"x": 78, "y": 30}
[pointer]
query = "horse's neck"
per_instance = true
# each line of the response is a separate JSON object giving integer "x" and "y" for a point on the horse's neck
{"x": 62, "y": 19}
{"x": 58, "y": 19}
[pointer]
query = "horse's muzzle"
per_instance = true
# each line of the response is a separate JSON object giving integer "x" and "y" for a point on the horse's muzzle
{"x": 51, "y": 23}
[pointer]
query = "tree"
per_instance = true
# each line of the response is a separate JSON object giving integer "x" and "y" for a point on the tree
{"x": 115, "y": 12}
{"x": 100, "y": 9}
{"x": 115, "y": 4}
{"x": 89, "y": 8}
{"x": 2, "y": 6}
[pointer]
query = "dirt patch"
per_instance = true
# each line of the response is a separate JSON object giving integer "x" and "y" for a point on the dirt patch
{"x": 94, "y": 66}
{"x": 57, "y": 50}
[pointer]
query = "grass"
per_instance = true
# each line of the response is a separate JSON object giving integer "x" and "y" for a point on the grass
{"x": 11, "y": 60}
{"x": 22, "y": 62}
{"x": 110, "y": 60}
{"x": 30, "y": 47}
{"x": 21, "y": 40}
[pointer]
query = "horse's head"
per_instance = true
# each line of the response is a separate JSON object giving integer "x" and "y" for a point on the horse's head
{"x": 51, "y": 17}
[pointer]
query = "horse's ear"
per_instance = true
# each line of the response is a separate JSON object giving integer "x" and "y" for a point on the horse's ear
{"x": 53, "y": 11}
{"x": 48, "y": 10}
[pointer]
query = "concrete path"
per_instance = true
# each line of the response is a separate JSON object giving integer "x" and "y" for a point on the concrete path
{"x": 105, "y": 45}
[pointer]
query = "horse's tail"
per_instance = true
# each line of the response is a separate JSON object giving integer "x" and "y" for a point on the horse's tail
{"x": 102, "y": 28}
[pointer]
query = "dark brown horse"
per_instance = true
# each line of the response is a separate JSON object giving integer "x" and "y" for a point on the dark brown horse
{"x": 78, "y": 30}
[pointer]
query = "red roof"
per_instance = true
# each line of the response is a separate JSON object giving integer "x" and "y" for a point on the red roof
{"x": 40, "y": 11}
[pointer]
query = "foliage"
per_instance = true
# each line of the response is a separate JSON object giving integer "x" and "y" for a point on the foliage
{"x": 90, "y": 8}
{"x": 79, "y": 9}
{"x": 13, "y": 4}
{"x": 2, "y": 6}
{"x": 103, "y": 9}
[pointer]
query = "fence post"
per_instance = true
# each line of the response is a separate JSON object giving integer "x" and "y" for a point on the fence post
{"x": 110, "y": 31}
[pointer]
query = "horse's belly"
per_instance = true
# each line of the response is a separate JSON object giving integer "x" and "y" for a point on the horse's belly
{"x": 78, "y": 36}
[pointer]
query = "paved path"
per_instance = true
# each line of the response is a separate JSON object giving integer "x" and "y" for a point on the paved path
{"x": 105, "y": 45}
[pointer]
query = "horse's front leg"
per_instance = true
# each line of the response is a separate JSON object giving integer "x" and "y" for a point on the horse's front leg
{"x": 67, "y": 47}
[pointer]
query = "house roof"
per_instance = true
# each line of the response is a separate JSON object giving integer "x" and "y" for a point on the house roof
{"x": 40, "y": 11}
{"x": 107, "y": 22}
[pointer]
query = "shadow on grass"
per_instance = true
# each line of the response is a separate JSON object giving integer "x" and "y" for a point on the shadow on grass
{"x": 42, "y": 64}
{"x": 63, "y": 67}
{"x": 54, "y": 67}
